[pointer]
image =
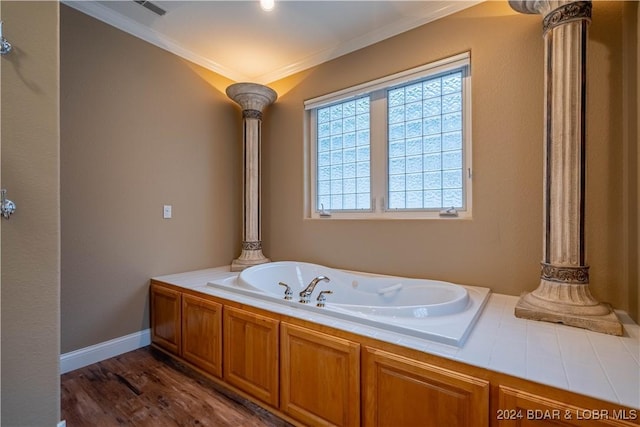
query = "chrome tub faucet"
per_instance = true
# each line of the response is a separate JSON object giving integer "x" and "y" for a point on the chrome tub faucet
{"x": 305, "y": 295}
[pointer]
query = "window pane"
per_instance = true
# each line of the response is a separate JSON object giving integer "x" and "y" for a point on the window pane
{"x": 349, "y": 186}
{"x": 452, "y": 179}
{"x": 425, "y": 144}
{"x": 349, "y": 200}
{"x": 452, "y": 198}
{"x": 343, "y": 153}
{"x": 452, "y": 141}
{"x": 396, "y": 182}
{"x": 397, "y": 199}
{"x": 413, "y": 93}
{"x": 414, "y": 182}
{"x": 324, "y": 159}
{"x": 414, "y": 164}
{"x": 363, "y": 201}
{"x": 396, "y": 148}
{"x": 421, "y": 116}
{"x": 396, "y": 97}
{"x": 396, "y": 114}
{"x": 452, "y": 103}
{"x": 452, "y": 83}
{"x": 349, "y": 140}
{"x": 324, "y": 144}
{"x": 324, "y": 188}
{"x": 431, "y": 144}
{"x": 414, "y": 200}
{"x": 432, "y": 180}
{"x": 349, "y": 170}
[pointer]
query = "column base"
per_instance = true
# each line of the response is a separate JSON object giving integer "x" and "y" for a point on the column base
{"x": 591, "y": 315}
{"x": 249, "y": 258}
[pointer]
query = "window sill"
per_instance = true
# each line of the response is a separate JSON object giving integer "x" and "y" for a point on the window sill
{"x": 386, "y": 216}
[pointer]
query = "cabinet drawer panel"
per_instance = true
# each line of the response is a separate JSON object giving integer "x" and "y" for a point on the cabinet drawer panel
{"x": 320, "y": 377}
{"x": 251, "y": 353}
{"x": 404, "y": 392}
{"x": 518, "y": 408}
{"x": 165, "y": 318}
{"x": 202, "y": 333}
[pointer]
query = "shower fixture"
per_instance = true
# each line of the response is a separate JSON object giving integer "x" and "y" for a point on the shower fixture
{"x": 5, "y": 46}
{"x": 7, "y": 207}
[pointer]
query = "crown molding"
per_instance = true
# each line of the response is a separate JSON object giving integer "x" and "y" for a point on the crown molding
{"x": 104, "y": 14}
{"x": 365, "y": 40}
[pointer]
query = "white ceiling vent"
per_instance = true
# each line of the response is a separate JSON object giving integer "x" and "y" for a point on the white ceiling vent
{"x": 152, "y": 7}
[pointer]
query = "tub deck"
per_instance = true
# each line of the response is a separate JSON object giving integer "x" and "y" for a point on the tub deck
{"x": 601, "y": 366}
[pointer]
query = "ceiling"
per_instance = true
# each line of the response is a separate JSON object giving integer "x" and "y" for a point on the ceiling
{"x": 240, "y": 41}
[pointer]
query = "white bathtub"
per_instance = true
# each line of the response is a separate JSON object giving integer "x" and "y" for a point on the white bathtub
{"x": 435, "y": 310}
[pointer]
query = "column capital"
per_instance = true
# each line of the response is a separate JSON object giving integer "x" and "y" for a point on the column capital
{"x": 251, "y": 96}
{"x": 541, "y": 7}
{"x": 555, "y": 12}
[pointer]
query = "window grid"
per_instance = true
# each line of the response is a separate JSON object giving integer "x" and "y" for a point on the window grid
{"x": 423, "y": 135}
{"x": 344, "y": 156}
{"x": 425, "y": 142}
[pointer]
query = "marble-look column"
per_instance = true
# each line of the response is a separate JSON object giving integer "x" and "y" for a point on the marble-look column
{"x": 253, "y": 99}
{"x": 563, "y": 295}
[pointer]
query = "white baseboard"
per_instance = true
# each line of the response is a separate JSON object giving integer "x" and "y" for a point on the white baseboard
{"x": 86, "y": 356}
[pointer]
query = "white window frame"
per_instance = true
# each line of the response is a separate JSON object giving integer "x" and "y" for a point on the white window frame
{"x": 379, "y": 145}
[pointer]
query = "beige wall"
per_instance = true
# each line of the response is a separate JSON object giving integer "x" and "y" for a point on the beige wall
{"x": 31, "y": 239}
{"x": 140, "y": 128}
{"x": 637, "y": 284}
{"x": 502, "y": 246}
{"x": 630, "y": 152}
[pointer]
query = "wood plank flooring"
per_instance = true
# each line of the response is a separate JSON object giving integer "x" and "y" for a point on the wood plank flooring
{"x": 147, "y": 388}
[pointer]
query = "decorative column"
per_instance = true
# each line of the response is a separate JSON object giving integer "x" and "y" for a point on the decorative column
{"x": 563, "y": 295}
{"x": 253, "y": 98}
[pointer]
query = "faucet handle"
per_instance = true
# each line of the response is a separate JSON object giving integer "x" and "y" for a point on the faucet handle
{"x": 322, "y": 298}
{"x": 287, "y": 292}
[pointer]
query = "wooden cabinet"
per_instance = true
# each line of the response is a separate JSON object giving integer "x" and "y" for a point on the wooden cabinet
{"x": 251, "y": 353}
{"x": 319, "y": 377}
{"x": 165, "y": 317}
{"x": 519, "y": 408}
{"x": 402, "y": 392}
{"x": 202, "y": 333}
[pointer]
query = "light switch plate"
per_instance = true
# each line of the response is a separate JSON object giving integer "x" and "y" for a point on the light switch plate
{"x": 166, "y": 212}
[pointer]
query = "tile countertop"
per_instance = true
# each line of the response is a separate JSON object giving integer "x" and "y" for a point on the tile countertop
{"x": 594, "y": 364}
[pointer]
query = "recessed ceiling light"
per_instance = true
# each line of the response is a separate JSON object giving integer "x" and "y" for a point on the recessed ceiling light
{"x": 267, "y": 5}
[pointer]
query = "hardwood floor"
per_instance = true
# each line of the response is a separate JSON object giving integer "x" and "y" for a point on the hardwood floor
{"x": 147, "y": 388}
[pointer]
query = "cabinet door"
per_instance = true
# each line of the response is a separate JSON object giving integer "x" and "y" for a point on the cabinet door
{"x": 251, "y": 353}
{"x": 202, "y": 333}
{"x": 520, "y": 408}
{"x": 320, "y": 377}
{"x": 165, "y": 318}
{"x": 401, "y": 392}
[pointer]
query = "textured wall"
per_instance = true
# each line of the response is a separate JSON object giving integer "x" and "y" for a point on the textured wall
{"x": 637, "y": 284}
{"x": 630, "y": 153}
{"x": 501, "y": 247}
{"x": 31, "y": 239}
{"x": 140, "y": 128}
